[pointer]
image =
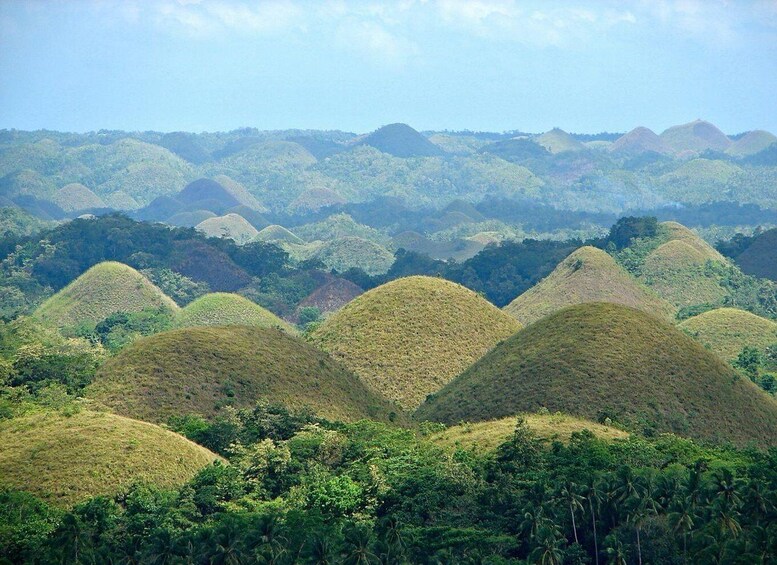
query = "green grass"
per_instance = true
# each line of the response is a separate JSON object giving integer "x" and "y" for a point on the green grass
{"x": 587, "y": 275}
{"x": 66, "y": 459}
{"x": 75, "y": 196}
{"x": 278, "y": 233}
{"x": 727, "y": 331}
{"x": 559, "y": 141}
{"x": 409, "y": 337}
{"x": 751, "y": 143}
{"x": 695, "y": 136}
{"x": 354, "y": 252}
{"x": 240, "y": 193}
{"x": 487, "y": 436}
{"x": 233, "y": 226}
{"x": 102, "y": 290}
{"x": 639, "y": 140}
{"x": 200, "y": 370}
{"x": 226, "y": 309}
{"x": 596, "y": 360}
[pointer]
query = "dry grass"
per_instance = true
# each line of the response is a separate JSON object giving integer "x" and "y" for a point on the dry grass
{"x": 65, "y": 459}
{"x": 409, "y": 337}
{"x": 727, "y": 331}
{"x": 227, "y": 309}
{"x": 278, "y": 233}
{"x": 76, "y": 196}
{"x": 233, "y": 226}
{"x": 598, "y": 359}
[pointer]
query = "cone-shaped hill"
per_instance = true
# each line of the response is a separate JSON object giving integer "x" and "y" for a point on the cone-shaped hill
{"x": 678, "y": 232}
{"x": 558, "y": 141}
{"x": 102, "y": 290}
{"x": 240, "y": 193}
{"x": 727, "y": 331}
{"x": 278, "y": 233}
{"x": 76, "y": 196}
{"x": 233, "y": 226}
{"x": 65, "y": 460}
{"x": 409, "y": 337}
{"x": 600, "y": 359}
{"x": 227, "y": 309}
{"x": 760, "y": 257}
{"x": 400, "y": 140}
{"x": 332, "y": 296}
{"x": 199, "y": 370}
{"x": 639, "y": 140}
{"x": 207, "y": 190}
{"x": 751, "y": 143}
{"x": 695, "y": 136}
{"x": 587, "y": 275}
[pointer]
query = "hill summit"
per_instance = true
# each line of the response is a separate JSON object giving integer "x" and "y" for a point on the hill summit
{"x": 597, "y": 360}
{"x": 697, "y": 136}
{"x": 409, "y": 337}
{"x": 227, "y": 309}
{"x": 639, "y": 140}
{"x": 727, "y": 331}
{"x": 400, "y": 140}
{"x": 587, "y": 275}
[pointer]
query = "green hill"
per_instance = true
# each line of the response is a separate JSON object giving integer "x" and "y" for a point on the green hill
{"x": 66, "y": 459}
{"x": 278, "y": 233}
{"x": 354, "y": 252}
{"x": 751, "y": 143}
{"x": 332, "y": 296}
{"x": 200, "y": 370}
{"x": 760, "y": 257}
{"x": 190, "y": 219}
{"x": 233, "y": 226}
{"x": 337, "y": 226}
{"x": 639, "y": 140}
{"x": 75, "y": 196}
{"x": 400, "y": 140}
{"x": 409, "y": 337}
{"x": 676, "y": 231}
{"x": 596, "y": 360}
{"x": 587, "y": 275}
{"x": 558, "y": 141}
{"x": 313, "y": 199}
{"x": 240, "y": 193}
{"x": 102, "y": 290}
{"x": 487, "y": 436}
{"x": 225, "y": 309}
{"x": 727, "y": 331}
{"x": 695, "y": 136}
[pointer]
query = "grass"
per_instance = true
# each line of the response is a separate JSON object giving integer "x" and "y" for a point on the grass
{"x": 606, "y": 360}
{"x": 639, "y": 140}
{"x": 760, "y": 258}
{"x": 102, "y": 290}
{"x": 200, "y": 370}
{"x": 354, "y": 252}
{"x": 751, "y": 143}
{"x": 189, "y": 219}
{"x": 233, "y": 226}
{"x": 226, "y": 309}
{"x": 695, "y": 136}
{"x": 587, "y": 275}
{"x": 558, "y": 141}
{"x": 278, "y": 233}
{"x": 332, "y": 296}
{"x": 75, "y": 196}
{"x": 240, "y": 193}
{"x": 727, "y": 331}
{"x": 66, "y": 459}
{"x": 409, "y": 337}
{"x": 487, "y": 436}
{"x": 400, "y": 140}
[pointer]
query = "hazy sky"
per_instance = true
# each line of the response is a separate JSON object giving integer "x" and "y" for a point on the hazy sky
{"x": 496, "y": 65}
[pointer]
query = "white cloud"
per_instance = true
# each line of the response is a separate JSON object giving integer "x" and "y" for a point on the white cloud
{"x": 374, "y": 42}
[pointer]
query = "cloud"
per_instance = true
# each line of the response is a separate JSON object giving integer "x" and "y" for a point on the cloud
{"x": 374, "y": 42}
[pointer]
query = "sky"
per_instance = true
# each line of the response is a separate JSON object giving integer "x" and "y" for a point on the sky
{"x": 486, "y": 65}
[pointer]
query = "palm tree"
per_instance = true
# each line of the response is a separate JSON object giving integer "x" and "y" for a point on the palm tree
{"x": 548, "y": 550}
{"x": 357, "y": 541}
{"x": 593, "y": 494}
{"x": 570, "y": 497}
{"x": 682, "y": 519}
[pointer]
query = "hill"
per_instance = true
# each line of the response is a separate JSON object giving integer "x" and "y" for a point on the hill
{"x": 233, "y": 226}
{"x": 400, "y": 140}
{"x": 596, "y": 360}
{"x": 487, "y": 436}
{"x": 751, "y": 143}
{"x": 587, "y": 275}
{"x": 226, "y": 309}
{"x": 102, "y": 290}
{"x": 251, "y": 216}
{"x": 240, "y": 193}
{"x": 639, "y": 140}
{"x": 75, "y": 196}
{"x": 354, "y": 252}
{"x": 678, "y": 232}
{"x": 697, "y": 136}
{"x": 66, "y": 459}
{"x": 760, "y": 257}
{"x": 278, "y": 233}
{"x": 200, "y": 370}
{"x": 332, "y": 296}
{"x": 727, "y": 331}
{"x": 207, "y": 190}
{"x": 189, "y": 219}
{"x": 409, "y": 337}
{"x": 558, "y": 141}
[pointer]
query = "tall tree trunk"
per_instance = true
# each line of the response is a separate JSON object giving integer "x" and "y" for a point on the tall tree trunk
{"x": 593, "y": 521}
{"x": 639, "y": 548}
{"x": 574, "y": 526}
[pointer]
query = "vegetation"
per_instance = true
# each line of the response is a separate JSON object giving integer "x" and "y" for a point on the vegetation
{"x": 727, "y": 331}
{"x": 409, "y": 337}
{"x": 347, "y": 253}
{"x": 66, "y": 458}
{"x": 225, "y": 309}
{"x": 755, "y": 255}
{"x": 233, "y": 226}
{"x": 400, "y": 140}
{"x": 609, "y": 361}
{"x": 76, "y": 196}
{"x": 201, "y": 370}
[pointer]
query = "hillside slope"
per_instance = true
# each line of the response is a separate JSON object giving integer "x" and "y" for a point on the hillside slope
{"x": 596, "y": 360}
{"x": 227, "y": 309}
{"x": 409, "y": 337}
{"x": 727, "y": 331}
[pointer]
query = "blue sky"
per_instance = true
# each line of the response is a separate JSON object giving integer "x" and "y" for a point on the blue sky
{"x": 215, "y": 65}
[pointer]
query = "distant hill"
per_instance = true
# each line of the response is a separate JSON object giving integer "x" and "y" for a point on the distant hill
{"x": 751, "y": 143}
{"x": 409, "y": 337}
{"x": 313, "y": 199}
{"x": 606, "y": 360}
{"x": 760, "y": 257}
{"x": 207, "y": 190}
{"x": 67, "y": 459}
{"x": 483, "y": 437}
{"x": 332, "y": 296}
{"x": 587, "y": 275}
{"x": 400, "y": 140}
{"x": 102, "y": 290}
{"x": 226, "y": 309}
{"x": 253, "y": 217}
{"x": 75, "y": 196}
{"x": 233, "y": 226}
{"x": 639, "y": 140}
{"x": 200, "y": 370}
{"x": 240, "y": 193}
{"x": 277, "y": 233}
{"x": 354, "y": 252}
{"x": 727, "y": 331}
{"x": 190, "y": 219}
{"x": 697, "y": 136}
{"x": 558, "y": 141}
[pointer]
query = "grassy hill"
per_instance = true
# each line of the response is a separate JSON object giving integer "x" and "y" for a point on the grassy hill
{"x": 727, "y": 331}
{"x": 233, "y": 226}
{"x": 409, "y": 337}
{"x": 695, "y": 136}
{"x": 596, "y": 360}
{"x": 487, "y": 436}
{"x": 678, "y": 232}
{"x": 558, "y": 141}
{"x": 400, "y": 140}
{"x": 587, "y": 275}
{"x": 240, "y": 193}
{"x": 348, "y": 252}
{"x": 102, "y": 290}
{"x": 66, "y": 459}
{"x": 74, "y": 196}
{"x": 207, "y": 190}
{"x": 751, "y": 143}
{"x": 760, "y": 257}
{"x": 332, "y": 296}
{"x": 278, "y": 233}
{"x": 226, "y": 309}
{"x": 190, "y": 219}
{"x": 200, "y": 370}
{"x": 639, "y": 140}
